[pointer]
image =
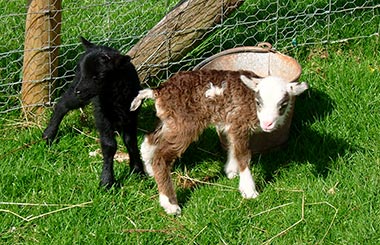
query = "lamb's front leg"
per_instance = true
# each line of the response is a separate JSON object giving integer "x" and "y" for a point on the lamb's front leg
{"x": 68, "y": 102}
{"x": 239, "y": 159}
{"x": 232, "y": 166}
{"x": 108, "y": 145}
{"x": 247, "y": 185}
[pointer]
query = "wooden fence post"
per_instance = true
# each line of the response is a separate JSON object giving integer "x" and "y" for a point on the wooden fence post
{"x": 177, "y": 33}
{"x": 42, "y": 39}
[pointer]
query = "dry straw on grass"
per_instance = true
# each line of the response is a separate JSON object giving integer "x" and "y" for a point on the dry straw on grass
{"x": 302, "y": 218}
{"x": 180, "y": 226}
{"x": 30, "y": 218}
{"x": 270, "y": 240}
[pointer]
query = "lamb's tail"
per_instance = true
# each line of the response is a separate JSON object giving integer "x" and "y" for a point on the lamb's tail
{"x": 143, "y": 94}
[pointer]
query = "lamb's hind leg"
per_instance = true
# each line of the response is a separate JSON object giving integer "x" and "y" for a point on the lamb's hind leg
{"x": 148, "y": 148}
{"x": 147, "y": 152}
{"x": 163, "y": 158}
{"x": 170, "y": 145}
{"x": 130, "y": 141}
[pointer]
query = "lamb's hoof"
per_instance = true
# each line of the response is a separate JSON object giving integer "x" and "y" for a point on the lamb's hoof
{"x": 107, "y": 185}
{"x": 148, "y": 169}
{"x": 48, "y": 137}
{"x": 138, "y": 171}
{"x": 172, "y": 209}
{"x": 249, "y": 194}
{"x": 231, "y": 169}
{"x": 231, "y": 174}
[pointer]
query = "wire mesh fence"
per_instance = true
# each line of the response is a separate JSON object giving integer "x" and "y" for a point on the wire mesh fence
{"x": 288, "y": 25}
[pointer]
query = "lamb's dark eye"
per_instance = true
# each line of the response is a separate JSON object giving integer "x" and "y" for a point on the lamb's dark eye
{"x": 283, "y": 107}
{"x": 258, "y": 103}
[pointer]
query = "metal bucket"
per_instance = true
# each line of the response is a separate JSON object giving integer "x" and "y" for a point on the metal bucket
{"x": 263, "y": 61}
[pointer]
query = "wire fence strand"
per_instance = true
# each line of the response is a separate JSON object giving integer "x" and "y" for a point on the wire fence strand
{"x": 121, "y": 24}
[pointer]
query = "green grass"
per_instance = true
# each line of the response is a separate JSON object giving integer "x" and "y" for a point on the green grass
{"x": 328, "y": 172}
{"x": 324, "y": 187}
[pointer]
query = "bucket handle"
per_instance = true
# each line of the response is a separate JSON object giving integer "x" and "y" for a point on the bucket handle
{"x": 265, "y": 46}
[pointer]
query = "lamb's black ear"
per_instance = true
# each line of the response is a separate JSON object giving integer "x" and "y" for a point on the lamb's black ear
{"x": 127, "y": 58}
{"x": 87, "y": 44}
{"x": 122, "y": 60}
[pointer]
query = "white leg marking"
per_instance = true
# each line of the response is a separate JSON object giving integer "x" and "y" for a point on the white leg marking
{"x": 247, "y": 186}
{"x": 169, "y": 208}
{"x": 147, "y": 153}
{"x": 232, "y": 167}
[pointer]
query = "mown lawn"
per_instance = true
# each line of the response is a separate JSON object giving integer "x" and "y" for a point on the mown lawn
{"x": 323, "y": 187}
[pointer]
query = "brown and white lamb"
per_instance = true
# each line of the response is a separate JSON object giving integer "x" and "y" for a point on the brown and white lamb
{"x": 236, "y": 102}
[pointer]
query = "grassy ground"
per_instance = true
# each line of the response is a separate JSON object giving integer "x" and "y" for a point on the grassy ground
{"x": 324, "y": 187}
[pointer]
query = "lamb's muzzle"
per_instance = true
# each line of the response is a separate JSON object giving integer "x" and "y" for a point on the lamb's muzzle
{"x": 236, "y": 102}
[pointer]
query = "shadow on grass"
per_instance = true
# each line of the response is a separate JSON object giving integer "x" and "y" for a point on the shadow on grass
{"x": 305, "y": 144}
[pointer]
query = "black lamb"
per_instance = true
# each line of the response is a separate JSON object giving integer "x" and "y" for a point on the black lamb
{"x": 109, "y": 80}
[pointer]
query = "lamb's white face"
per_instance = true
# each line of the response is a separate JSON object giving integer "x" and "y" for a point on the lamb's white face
{"x": 273, "y": 97}
{"x": 272, "y": 103}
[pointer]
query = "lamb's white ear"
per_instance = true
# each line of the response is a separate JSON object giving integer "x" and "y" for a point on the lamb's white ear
{"x": 250, "y": 82}
{"x": 296, "y": 88}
